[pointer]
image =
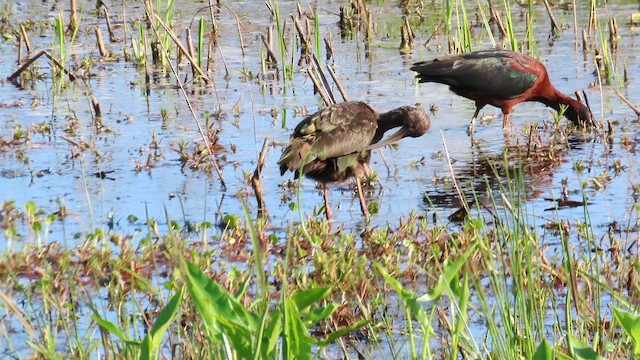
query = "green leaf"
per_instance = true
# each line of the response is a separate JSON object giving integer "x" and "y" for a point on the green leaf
{"x": 296, "y": 334}
{"x": 449, "y": 273}
{"x": 109, "y": 326}
{"x": 221, "y": 312}
{"x": 166, "y": 316}
{"x": 333, "y": 336}
{"x": 319, "y": 314}
{"x": 543, "y": 352}
{"x": 304, "y": 299}
{"x": 581, "y": 350}
{"x": 631, "y": 325}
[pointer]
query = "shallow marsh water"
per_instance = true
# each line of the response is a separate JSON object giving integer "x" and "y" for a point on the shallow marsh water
{"x": 419, "y": 173}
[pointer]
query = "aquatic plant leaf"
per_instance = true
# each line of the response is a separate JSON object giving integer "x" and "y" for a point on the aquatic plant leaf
{"x": 304, "y": 299}
{"x": 333, "y": 336}
{"x": 543, "y": 352}
{"x": 631, "y": 325}
{"x": 152, "y": 341}
{"x": 449, "y": 274}
{"x": 109, "y": 326}
{"x": 221, "y": 312}
{"x": 581, "y": 350}
{"x": 297, "y": 338}
{"x": 272, "y": 332}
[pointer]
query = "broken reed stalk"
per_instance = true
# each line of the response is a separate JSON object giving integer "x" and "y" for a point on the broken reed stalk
{"x": 319, "y": 88}
{"x": 95, "y": 104}
{"x": 626, "y": 101}
{"x": 101, "y": 49}
{"x": 190, "y": 49}
{"x": 585, "y": 45}
{"x": 255, "y": 179}
{"x": 325, "y": 83}
{"x": 19, "y": 48}
{"x": 112, "y": 36}
{"x": 575, "y": 23}
{"x": 185, "y": 52}
{"x": 25, "y": 38}
{"x": 305, "y": 41}
{"x": 240, "y": 37}
{"x": 499, "y": 23}
{"x": 73, "y": 17}
{"x": 338, "y": 83}
{"x": 613, "y": 31}
{"x": 271, "y": 57}
{"x": 555, "y": 29}
{"x": 328, "y": 46}
{"x": 55, "y": 61}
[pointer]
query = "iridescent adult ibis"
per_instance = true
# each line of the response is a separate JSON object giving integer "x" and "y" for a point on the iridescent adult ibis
{"x": 500, "y": 78}
{"x": 335, "y": 143}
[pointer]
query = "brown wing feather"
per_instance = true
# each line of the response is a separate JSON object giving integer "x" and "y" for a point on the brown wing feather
{"x": 336, "y": 131}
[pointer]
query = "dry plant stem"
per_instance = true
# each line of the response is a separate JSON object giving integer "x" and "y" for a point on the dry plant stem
{"x": 585, "y": 46}
{"x": 206, "y": 142}
{"x": 575, "y": 23}
{"x": 73, "y": 17}
{"x": 240, "y": 37}
{"x": 190, "y": 49}
{"x": 325, "y": 83}
{"x": 325, "y": 196}
{"x": 319, "y": 88}
{"x": 25, "y": 38}
{"x": 626, "y": 101}
{"x": 184, "y": 50}
{"x": 453, "y": 175}
{"x": 10, "y": 307}
{"x": 328, "y": 46}
{"x": 435, "y": 31}
{"x": 101, "y": 48}
{"x": 19, "y": 49}
{"x": 34, "y": 58}
{"x": 554, "y": 24}
{"x": 97, "y": 109}
{"x": 270, "y": 55}
{"x": 305, "y": 48}
{"x": 214, "y": 26}
{"x": 503, "y": 30}
{"x": 255, "y": 179}
{"x": 112, "y": 36}
{"x": 336, "y": 80}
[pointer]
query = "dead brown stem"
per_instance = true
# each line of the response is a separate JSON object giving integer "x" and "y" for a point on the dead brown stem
{"x": 73, "y": 17}
{"x": 255, "y": 179}
{"x": 336, "y": 80}
{"x": 184, "y": 50}
{"x": 554, "y": 24}
{"x": 101, "y": 48}
{"x": 55, "y": 61}
{"x": 25, "y": 38}
{"x": 626, "y": 101}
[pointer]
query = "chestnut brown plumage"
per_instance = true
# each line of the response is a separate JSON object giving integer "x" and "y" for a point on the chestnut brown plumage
{"x": 335, "y": 143}
{"x": 500, "y": 78}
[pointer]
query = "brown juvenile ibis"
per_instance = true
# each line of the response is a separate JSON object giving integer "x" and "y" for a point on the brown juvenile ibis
{"x": 335, "y": 143}
{"x": 500, "y": 78}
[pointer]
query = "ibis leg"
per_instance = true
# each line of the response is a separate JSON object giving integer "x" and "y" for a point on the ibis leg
{"x": 327, "y": 209}
{"x": 363, "y": 203}
{"x": 472, "y": 126}
{"x": 505, "y": 120}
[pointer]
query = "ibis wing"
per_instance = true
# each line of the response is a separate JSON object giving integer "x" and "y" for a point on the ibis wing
{"x": 495, "y": 74}
{"x": 349, "y": 128}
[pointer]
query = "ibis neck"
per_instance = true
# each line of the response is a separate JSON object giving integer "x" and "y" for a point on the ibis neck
{"x": 389, "y": 120}
{"x": 555, "y": 99}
